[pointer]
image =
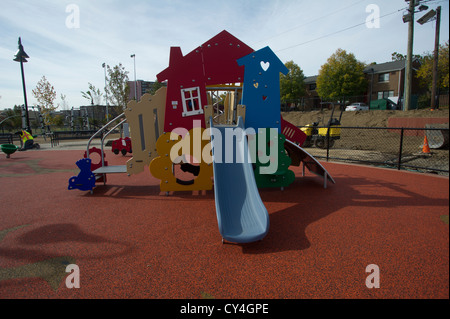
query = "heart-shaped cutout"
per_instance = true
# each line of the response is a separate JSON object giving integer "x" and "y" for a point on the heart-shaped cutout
{"x": 256, "y": 85}
{"x": 264, "y": 97}
{"x": 265, "y": 65}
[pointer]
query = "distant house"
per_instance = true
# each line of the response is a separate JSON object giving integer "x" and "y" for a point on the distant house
{"x": 387, "y": 80}
{"x": 311, "y": 99}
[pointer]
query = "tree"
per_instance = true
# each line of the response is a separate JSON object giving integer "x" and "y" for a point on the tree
{"x": 155, "y": 87}
{"x": 58, "y": 120}
{"x": 11, "y": 118}
{"x": 400, "y": 57}
{"x": 341, "y": 76}
{"x": 425, "y": 72}
{"x": 45, "y": 95}
{"x": 292, "y": 85}
{"x": 117, "y": 87}
{"x": 93, "y": 95}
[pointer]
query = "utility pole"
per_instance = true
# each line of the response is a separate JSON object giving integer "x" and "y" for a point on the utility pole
{"x": 409, "y": 58}
{"x": 436, "y": 59}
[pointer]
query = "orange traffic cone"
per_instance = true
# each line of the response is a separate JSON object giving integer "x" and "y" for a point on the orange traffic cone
{"x": 426, "y": 147}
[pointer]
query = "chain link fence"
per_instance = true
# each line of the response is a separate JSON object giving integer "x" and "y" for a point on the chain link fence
{"x": 397, "y": 148}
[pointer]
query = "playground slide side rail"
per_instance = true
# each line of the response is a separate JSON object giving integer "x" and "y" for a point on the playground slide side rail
{"x": 310, "y": 162}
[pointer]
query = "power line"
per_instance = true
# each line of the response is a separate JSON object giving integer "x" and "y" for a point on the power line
{"x": 336, "y": 32}
{"x": 309, "y": 22}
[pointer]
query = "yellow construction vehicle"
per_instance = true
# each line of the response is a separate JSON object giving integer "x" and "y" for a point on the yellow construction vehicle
{"x": 324, "y": 137}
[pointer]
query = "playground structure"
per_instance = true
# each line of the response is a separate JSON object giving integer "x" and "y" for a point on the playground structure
{"x": 8, "y": 149}
{"x": 221, "y": 86}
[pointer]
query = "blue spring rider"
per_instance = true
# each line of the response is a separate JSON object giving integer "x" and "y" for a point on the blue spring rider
{"x": 85, "y": 180}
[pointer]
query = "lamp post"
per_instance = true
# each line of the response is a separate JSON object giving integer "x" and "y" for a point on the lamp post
{"x": 106, "y": 94}
{"x": 135, "y": 81}
{"x": 22, "y": 57}
{"x": 430, "y": 16}
{"x": 436, "y": 60}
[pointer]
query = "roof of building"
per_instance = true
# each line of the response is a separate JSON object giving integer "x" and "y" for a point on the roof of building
{"x": 377, "y": 68}
{"x": 386, "y": 67}
{"x": 310, "y": 79}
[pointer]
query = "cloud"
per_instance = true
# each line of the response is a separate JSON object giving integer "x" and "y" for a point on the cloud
{"x": 110, "y": 31}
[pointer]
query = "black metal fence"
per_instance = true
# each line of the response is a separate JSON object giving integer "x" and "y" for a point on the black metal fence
{"x": 311, "y": 103}
{"x": 57, "y": 136}
{"x": 398, "y": 148}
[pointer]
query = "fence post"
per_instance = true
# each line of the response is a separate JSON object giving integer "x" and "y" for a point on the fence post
{"x": 328, "y": 140}
{"x": 401, "y": 150}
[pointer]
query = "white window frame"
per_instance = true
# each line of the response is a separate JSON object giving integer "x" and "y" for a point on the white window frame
{"x": 194, "y": 110}
{"x": 389, "y": 94}
{"x": 380, "y": 95}
{"x": 386, "y": 77}
{"x": 385, "y": 94}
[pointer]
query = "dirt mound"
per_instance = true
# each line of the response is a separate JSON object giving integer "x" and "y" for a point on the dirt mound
{"x": 376, "y": 118}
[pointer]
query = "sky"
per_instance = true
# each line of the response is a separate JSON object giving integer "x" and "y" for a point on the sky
{"x": 68, "y": 41}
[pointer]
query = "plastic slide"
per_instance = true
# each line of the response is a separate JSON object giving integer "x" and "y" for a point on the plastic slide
{"x": 241, "y": 214}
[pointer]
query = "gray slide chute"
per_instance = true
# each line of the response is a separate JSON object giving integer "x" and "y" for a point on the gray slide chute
{"x": 298, "y": 155}
{"x": 241, "y": 214}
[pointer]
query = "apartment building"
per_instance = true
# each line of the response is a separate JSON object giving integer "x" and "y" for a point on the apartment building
{"x": 385, "y": 80}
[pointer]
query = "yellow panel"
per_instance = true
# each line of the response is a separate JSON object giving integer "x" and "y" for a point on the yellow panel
{"x": 142, "y": 117}
{"x": 208, "y": 112}
{"x": 161, "y": 166}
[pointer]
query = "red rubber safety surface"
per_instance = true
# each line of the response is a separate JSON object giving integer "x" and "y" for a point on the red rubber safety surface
{"x": 131, "y": 241}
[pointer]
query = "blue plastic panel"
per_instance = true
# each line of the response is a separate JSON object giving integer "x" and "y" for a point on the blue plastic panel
{"x": 261, "y": 91}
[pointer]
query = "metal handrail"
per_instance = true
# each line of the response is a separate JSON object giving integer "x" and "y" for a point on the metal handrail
{"x": 103, "y": 139}
{"x": 101, "y": 130}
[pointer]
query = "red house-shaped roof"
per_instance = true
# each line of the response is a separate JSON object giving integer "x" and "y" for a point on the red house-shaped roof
{"x": 214, "y": 62}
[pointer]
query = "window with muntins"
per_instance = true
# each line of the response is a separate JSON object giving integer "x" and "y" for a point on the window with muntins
{"x": 191, "y": 101}
{"x": 385, "y": 94}
{"x": 383, "y": 77}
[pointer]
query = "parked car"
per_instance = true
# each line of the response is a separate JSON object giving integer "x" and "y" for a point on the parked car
{"x": 357, "y": 107}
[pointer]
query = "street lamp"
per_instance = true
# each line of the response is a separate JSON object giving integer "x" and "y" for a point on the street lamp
{"x": 426, "y": 18}
{"x": 135, "y": 81}
{"x": 106, "y": 93}
{"x": 22, "y": 57}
